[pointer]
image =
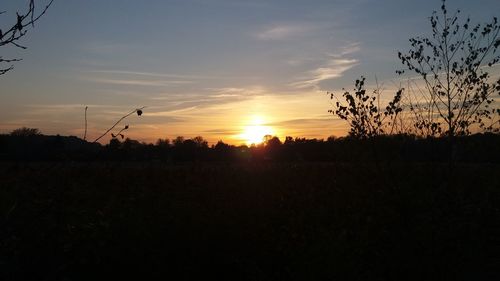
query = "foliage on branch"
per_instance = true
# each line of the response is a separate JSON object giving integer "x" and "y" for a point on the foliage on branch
{"x": 363, "y": 112}
{"x": 458, "y": 92}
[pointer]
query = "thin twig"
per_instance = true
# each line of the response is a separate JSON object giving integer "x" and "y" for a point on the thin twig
{"x": 85, "y": 134}
{"x": 118, "y": 122}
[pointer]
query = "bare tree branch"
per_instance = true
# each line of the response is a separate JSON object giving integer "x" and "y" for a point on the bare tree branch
{"x": 13, "y": 33}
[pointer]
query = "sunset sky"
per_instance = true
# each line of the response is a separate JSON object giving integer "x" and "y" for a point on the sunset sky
{"x": 215, "y": 68}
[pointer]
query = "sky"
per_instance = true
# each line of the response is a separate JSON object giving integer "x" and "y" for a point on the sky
{"x": 214, "y": 68}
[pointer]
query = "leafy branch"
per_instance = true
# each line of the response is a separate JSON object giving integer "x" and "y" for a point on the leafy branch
{"x": 363, "y": 113}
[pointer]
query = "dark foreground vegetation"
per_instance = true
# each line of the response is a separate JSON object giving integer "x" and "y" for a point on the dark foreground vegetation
{"x": 479, "y": 148}
{"x": 357, "y": 210}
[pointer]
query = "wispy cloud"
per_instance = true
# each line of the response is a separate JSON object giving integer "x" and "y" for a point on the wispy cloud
{"x": 315, "y": 127}
{"x": 335, "y": 66}
{"x": 170, "y": 104}
{"x": 76, "y": 111}
{"x": 222, "y": 132}
{"x": 170, "y": 111}
{"x": 302, "y": 121}
{"x": 348, "y": 49}
{"x": 150, "y": 74}
{"x": 166, "y": 117}
{"x": 139, "y": 82}
{"x": 235, "y": 91}
{"x": 284, "y": 31}
{"x": 151, "y": 79}
{"x": 299, "y": 61}
{"x": 51, "y": 109}
{"x": 137, "y": 78}
{"x": 333, "y": 69}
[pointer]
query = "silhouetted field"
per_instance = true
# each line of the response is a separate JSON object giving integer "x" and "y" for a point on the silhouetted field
{"x": 249, "y": 221}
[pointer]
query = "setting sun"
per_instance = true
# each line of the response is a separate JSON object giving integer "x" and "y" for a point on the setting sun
{"x": 255, "y": 132}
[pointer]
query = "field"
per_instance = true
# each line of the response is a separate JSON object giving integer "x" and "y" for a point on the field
{"x": 249, "y": 221}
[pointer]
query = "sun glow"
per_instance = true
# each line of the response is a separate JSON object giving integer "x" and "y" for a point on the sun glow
{"x": 255, "y": 132}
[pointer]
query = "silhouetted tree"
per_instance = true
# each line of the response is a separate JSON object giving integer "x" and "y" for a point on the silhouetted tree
{"x": 25, "y": 132}
{"x": 273, "y": 142}
{"x": 363, "y": 113}
{"x": 452, "y": 64}
{"x": 288, "y": 140}
{"x": 273, "y": 147}
{"x": 220, "y": 145}
{"x": 178, "y": 141}
{"x": 222, "y": 151}
{"x": 190, "y": 149}
{"x": 10, "y": 35}
{"x": 130, "y": 144}
{"x": 163, "y": 143}
{"x": 331, "y": 139}
{"x": 200, "y": 142}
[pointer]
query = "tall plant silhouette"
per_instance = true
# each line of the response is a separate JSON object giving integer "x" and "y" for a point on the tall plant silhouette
{"x": 137, "y": 111}
{"x": 458, "y": 92}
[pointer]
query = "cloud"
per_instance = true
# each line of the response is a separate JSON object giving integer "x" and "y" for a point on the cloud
{"x": 150, "y": 79}
{"x": 335, "y": 67}
{"x": 281, "y": 32}
{"x": 299, "y": 61}
{"x": 222, "y": 132}
{"x": 348, "y": 49}
{"x": 165, "y": 118}
{"x": 72, "y": 112}
{"x": 140, "y": 79}
{"x": 302, "y": 121}
{"x": 316, "y": 127}
{"x": 210, "y": 97}
{"x": 237, "y": 92}
{"x": 139, "y": 82}
{"x": 170, "y": 112}
{"x": 50, "y": 109}
{"x": 151, "y": 74}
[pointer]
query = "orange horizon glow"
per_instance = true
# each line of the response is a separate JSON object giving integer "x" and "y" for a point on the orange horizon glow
{"x": 243, "y": 122}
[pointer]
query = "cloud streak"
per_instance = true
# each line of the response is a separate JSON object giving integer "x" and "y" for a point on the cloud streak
{"x": 235, "y": 91}
{"x": 140, "y": 82}
{"x": 222, "y": 132}
{"x": 335, "y": 67}
{"x": 185, "y": 103}
{"x": 284, "y": 31}
{"x": 151, "y": 74}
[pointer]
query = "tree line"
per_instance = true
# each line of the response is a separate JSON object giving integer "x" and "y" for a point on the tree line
{"x": 30, "y": 145}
